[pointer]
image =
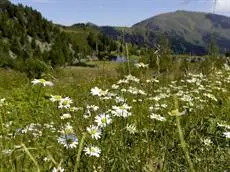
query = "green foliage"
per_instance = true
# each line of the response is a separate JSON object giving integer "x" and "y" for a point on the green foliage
{"x": 32, "y": 67}
{"x": 213, "y": 48}
{"x": 159, "y": 57}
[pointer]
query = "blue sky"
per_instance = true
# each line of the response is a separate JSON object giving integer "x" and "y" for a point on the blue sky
{"x": 117, "y": 12}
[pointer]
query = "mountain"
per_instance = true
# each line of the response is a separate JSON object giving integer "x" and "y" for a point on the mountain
{"x": 187, "y": 32}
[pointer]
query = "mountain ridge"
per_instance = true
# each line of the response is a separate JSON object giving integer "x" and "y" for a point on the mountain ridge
{"x": 193, "y": 30}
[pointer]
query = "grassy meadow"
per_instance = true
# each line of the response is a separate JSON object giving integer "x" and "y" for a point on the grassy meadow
{"x": 116, "y": 117}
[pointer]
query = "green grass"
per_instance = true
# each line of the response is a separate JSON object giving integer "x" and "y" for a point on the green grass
{"x": 31, "y": 124}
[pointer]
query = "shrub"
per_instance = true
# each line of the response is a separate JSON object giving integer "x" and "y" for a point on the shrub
{"x": 33, "y": 68}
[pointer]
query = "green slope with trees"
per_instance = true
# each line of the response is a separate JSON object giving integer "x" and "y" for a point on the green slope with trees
{"x": 32, "y": 44}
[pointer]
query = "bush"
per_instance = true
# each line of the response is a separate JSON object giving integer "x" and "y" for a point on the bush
{"x": 33, "y": 68}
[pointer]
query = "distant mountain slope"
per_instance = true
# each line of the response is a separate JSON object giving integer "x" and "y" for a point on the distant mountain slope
{"x": 188, "y": 32}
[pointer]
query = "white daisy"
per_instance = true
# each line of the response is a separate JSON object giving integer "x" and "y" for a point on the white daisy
{"x": 114, "y": 86}
{"x": 122, "y": 110}
{"x": 92, "y": 151}
{"x": 2, "y": 101}
{"x": 103, "y": 120}
{"x": 157, "y": 117}
{"x": 42, "y": 82}
{"x": 68, "y": 141}
{"x": 65, "y": 116}
{"x": 98, "y": 92}
{"x": 65, "y": 103}
{"x": 227, "y": 134}
{"x": 94, "y": 131}
{"x": 58, "y": 169}
{"x": 141, "y": 65}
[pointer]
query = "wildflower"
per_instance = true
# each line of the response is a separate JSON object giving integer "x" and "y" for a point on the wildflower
{"x": 207, "y": 141}
{"x": 123, "y": 81}
{"x": 58, "y": 169}
{"x": 42, "y": 82}
{"x": 2, "y": 101}
{"x": 122, "y": 110}
{"x": 157, "y": 117}
{"x": 123, "y": 90}
{"x": 92, "y": 107}
{"x": 103, "y": 119}
{"x": 187, "y": 98}
{"x": 68, "y": 140}
{"x": 141, "y": 65}
{"x": 114, "y": 86}
{"x": 68, "y": 129}
{"x": 132, "y": 78}
{"x": 141, "y": 92}
{"x": 66, "y": 116}
{"x": 152, "y": 80}
{"x": 164, "y": 105}
{"x": 151, "y": 108}
{"x": 119, "y": 99}
{"x": 94, "y": 131}
{"x": 45, "y": 159}
{"x": 8, "y": 124}
{"x": 131, "y": 128}
{"x": 133, "y": 90}
{"x": 33, "y": 129}
{"x": 226, "y": 67}
{"x": 227, "y": 134}
{"x": 6, "y": 151}
{"x": 191, "y": 81}
{"x": 98, "y": 92}
{"x": 211, "y": 96}
{"x": 55, "y": 98}
{"x": 65, "y": 103}
{"x": 92, "y": 151}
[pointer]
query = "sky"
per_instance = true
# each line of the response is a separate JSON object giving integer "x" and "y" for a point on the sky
{"x": 118, "y": 12}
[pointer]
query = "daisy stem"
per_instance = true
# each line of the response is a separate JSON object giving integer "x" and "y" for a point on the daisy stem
{"x": 183, "y": 144}
{"x": 182, "y": 140}
{"x": 79, "y": 152}
{"x": 39, "y": 92}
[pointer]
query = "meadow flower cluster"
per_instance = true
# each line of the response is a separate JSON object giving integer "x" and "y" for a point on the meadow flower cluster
{"x": 125, "y": 122}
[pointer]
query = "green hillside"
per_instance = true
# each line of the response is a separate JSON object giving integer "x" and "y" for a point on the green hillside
{"x": 32, "y": 44}
{"x": 89, "y": 36}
